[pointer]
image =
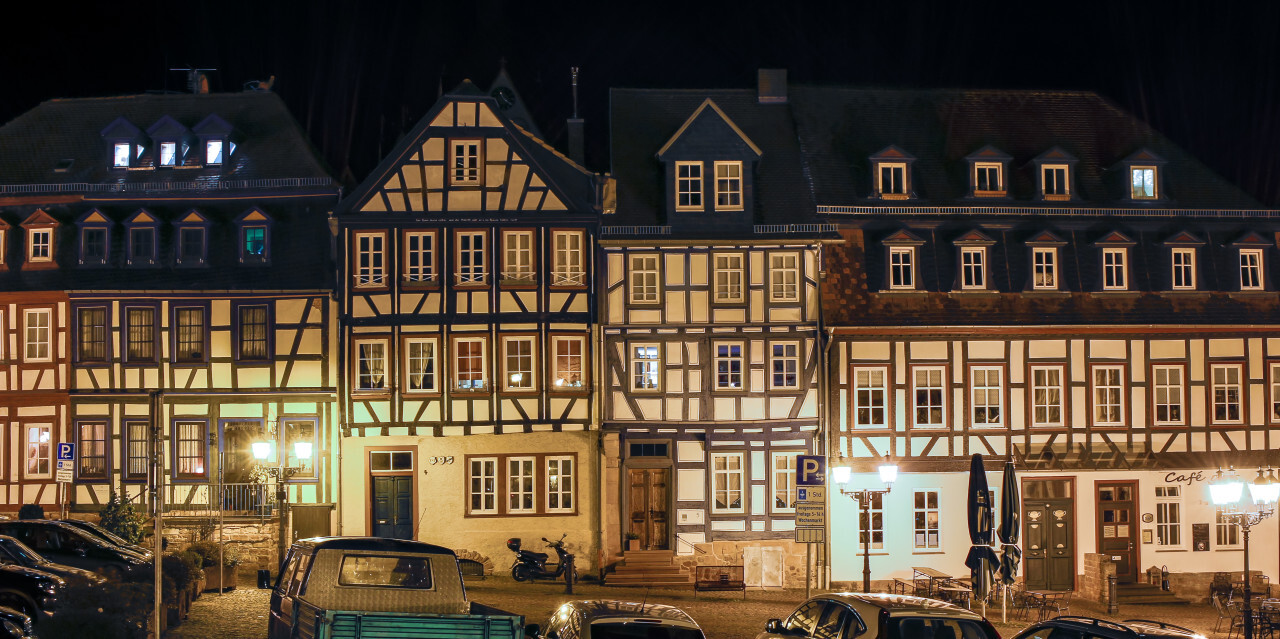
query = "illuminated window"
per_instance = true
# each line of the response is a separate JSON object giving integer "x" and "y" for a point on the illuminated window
{"x": 1142, "y": 181}
{"x": 645, "y": 367}
{"x": 973, "y": 268}
{"x": 37, "y": 335}
{"x": 929, "y": 394}
{"x": 1227, "y": 393}
{"x": 137, "y": 436}
{"x": 253, "y": 343}
{"x": 483, "y": 485}
{"x": 987, "y": 395}
{"x": 168, "y": 154}
{"x": 870, "y": 396}
{"x": 469, "y": 363}
{"x": 729, "y": 366}
{"x": 40, "y": 245}
{"x": 926, "y": 520}
{"x": 464, "y": 163}
{"x": 213, "y": 152}
{"x": 191, "y": 449}
{"x": 253, "y": 243}
{"x": 1168, "y": 516}
{"x": 1184, "y": 268}
{"x": 784, "y": 482}
{"x": 986, "y": 179}
{"x": 784, "y": 277}
{"x": 728, "y": 277}
{"x": 300, "y": 431}
{"x": 871, "y": 523}
{"x": 902, "y": 267}
{"x": 1108, "y": 395}
{"x": 1053, "y": 182}
{"x": 190, "y": 333}
{"x": 517, "y": 257}
{"x": 420, "y": 362}
{"x": 1167, "y": 394}
{"x": 38, "y": 449}
{"x": 688, "y": 185}
{"x": 1115, "y": 272}
{"x": 471, "y": 257}
{"x": 140, "y": 324}
{"x": 371, "y": 265}
{"x": 1045, "y": 266}
{"x": 120, "y": 154}
{"x": 560, "y": 484}
{"x": 91, "y": 334}
{"x": 567, "y": 367}
{"x": 643, "y": 278}
{"x": 784, "y": 362}
{"x": 420, "y": 257}
{"x": 727, "y": 483}
{"x": 1046, "y": 396}
{"x": 1251, "y": 270}
{"x": 518, "y": 363}
{"x": 371, "y": 365}
{"x": 893, "y": 180}
{"x": 92, "y": 450}
{"x": 567, "y": 259}
{"x": 728, "y": 186}
{"x": 520, "y": 485}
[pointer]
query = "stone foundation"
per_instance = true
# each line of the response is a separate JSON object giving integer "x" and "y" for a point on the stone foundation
{"x": 731, "y": 553}
{"x": 1194, "y": 586}
{"x": 255, "y": 539}
{"x": 1092, "y": 585}
{"x": 475, "y": 556}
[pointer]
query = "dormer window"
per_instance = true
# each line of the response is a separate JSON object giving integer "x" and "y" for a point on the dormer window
{"x": 255, "y": 237}
{"x": 728, "y": 186}
{"x": 1046, "y": 266}
{"x": 94, "y": 235}
{"x": 893, "y": 180}
{"x": 465, "y": 163}
{"x": 987, "y": 179}
{"x": 1053, "y": 181}
{"x": 192, "y": 242}
{"x": 40, "y": 245}
{"x": 1251, "y": 270}
{"x": 255, "y": 241}
{"x": 688, "y": 186}
{"x": 168, "y": 153}
{"x": 1142, "y": 181}
{"x": 214, "y": 135}
{"x": 120, "y": 155}
{"x": 1184, "y": 269}
{"x": 140, "y": 240}
{"x": 213, "y": 152}
{"x": 1115, "y": 269}
{"x": 121, "y": 137}
{"x": 891, "y": 173}
{"x": 901, "y": 260}
{"x": 974, "y": 259}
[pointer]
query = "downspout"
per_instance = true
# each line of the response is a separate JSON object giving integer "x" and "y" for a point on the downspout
{"x": 597, "y": 410}
{"x": 336, "y": 424}
{"x": 823, "y": 344}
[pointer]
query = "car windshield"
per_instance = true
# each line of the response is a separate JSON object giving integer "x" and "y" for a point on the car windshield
{"x": 641, "y": 630}
{"x": 24, "y": 554}
{"x": 936, "y": 628}
{"x": 105, "y": 534}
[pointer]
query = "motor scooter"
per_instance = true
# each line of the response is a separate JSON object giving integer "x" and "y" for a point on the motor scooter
{"x": 531, "y": 565}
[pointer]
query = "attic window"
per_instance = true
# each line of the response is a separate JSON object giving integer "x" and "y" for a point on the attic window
{"x": 121, "y": 155}
{"x": 64, "y": 165}
{"x": 1142, "y": 180}
{"x": 688, "y": 186}
{"x": 168, "y": 153}
{"x": 1054, "y": 181}
{"x": 40, "y": 245}
{"x": 893, "y": 180}
{"x": 213, "y": 152}
{"x": 728, "y": 186}
{"x": 987, "y": 179}
{"x": 465, "y": 163}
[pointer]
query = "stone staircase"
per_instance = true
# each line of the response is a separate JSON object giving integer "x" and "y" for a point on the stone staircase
{"x": 1140, "y": 593}
{"x": 649, "y": 568}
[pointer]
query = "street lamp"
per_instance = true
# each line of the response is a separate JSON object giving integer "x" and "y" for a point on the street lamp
{"x": 1225, "y": 491}
{"x": 888, "y": 475}
{"x": 263, "y": 450}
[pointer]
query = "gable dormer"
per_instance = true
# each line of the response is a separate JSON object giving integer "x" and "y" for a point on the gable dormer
{"x": 170, "y": 141}
{"x": 214, "y": 143}
{"x": 253, "y": 232}
{"x": 973, "y": 261}
{"x": 191, "y": 239}
{"x": 1143, "y": 176}
{"x": 708, "y": 169}
{"x": 6, "y": 231}
{"x": 891, "y": 174}
{"x": 1184, "y": 261}
{"x": 1046, "y": 260}
{"x": 1055, "y": 176}
{"x": 93, "y": 231}
{"x": 1116, "y": 261}
{"x": 988, "y": 172}
{"x": 41, "y": 231}
{"x": 1252, "y": 255}
{"x": 142, "y": 239}
{"x": 902, "y": 260}
{"x": 125, "y": 143}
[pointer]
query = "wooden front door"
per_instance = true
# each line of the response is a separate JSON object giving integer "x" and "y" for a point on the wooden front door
{"x": 1048, "y": 539}
{"x": 1117, "y": 534}
{"x": 648, "y": 498}
{"x": 392, "y": 506}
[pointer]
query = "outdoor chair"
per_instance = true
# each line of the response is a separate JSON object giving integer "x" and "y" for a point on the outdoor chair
{"x": 1226, "y": 612}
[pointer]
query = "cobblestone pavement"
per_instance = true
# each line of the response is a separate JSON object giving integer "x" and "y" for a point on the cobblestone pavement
{"x": 242, "y": 613}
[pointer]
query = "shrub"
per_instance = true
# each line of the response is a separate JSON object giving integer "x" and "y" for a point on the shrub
{"x": 182, "y": 569}
{"x": 31, "y": 511}
{"x": 208, "y": 553}
{"x": 120, "y": 517}
{"x": 119, "y": 611}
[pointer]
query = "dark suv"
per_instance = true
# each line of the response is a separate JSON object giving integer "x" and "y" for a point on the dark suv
{"x": 66, "y": 544}
{"x": 1077, "y": 627}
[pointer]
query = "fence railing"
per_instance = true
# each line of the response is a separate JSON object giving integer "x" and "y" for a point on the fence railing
{"x": 209, "y": 500}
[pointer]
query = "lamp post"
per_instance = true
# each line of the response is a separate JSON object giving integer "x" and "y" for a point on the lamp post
{"x": 1226, "y": 491}
{"x": 263, "y": 451}
{"x": 888, "y": 475}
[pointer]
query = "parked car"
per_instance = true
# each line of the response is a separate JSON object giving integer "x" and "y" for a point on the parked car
{"x": 108, "y": 536}
{"x": 32, "y": 592}
{"x": 845, "y": 615}
{"x": 1072, "y": 626}
{"x": 15, "y": 625}
{"x": 607, "y": 619}
{"x": 13, "y": 551}
{"x": 66, "y": 544}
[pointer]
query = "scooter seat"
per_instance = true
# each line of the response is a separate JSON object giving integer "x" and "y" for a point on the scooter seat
{"x": 539, "y": 556}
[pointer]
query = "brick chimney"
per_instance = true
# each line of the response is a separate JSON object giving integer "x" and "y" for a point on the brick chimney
{"x": 771, "y": 86}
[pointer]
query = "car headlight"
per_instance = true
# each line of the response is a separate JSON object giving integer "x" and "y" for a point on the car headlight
{"x": 49, "y": 587}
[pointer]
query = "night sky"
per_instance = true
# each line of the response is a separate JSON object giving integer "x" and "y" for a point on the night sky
{"x": 359, "y": 74}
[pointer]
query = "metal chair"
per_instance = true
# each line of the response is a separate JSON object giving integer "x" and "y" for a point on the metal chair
{"x": 1226, "y": 612}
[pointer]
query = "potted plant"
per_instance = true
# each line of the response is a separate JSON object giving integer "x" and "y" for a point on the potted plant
{"x": 633, "y": 541}
{"x": 217, "y": 577}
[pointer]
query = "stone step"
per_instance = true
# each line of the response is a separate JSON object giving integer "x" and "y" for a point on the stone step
{"x": 1151, "y": 599}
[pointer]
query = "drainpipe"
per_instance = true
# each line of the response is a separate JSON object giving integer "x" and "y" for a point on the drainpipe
{"x": 823, "y": 345}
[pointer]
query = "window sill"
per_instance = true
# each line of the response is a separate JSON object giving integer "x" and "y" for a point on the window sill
{"x": 1116, "y": 293}
{"x": 1187, "y": 293}
{"x": 416, "y": 284}
{"x": 928, "y": 552}
{"x": 1161, "y": 549}
{"x": 902, "y": 291}
{"x": 1047, "y": 292}
{"x": 1253, "y": 294}
{"x": 968, "y": 292}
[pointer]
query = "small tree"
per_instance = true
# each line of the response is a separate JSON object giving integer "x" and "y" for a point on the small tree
{"x": 120, "y": 517}
{"x": 31, "y": 511}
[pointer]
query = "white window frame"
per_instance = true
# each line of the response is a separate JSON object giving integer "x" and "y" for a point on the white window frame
{"x": 1059, "y": 187}
{"x": 371, "y": 364}
{"x": 1115, "y": 269}
{"x": 981, "y": 390}
{"x": 870, "y": 394}
{"x": 40, "y": 245}
{"x": 897, "y": 186}
{"x": 1044, "y": 265}
{"x": 902, "y": 267}
{"x": 522, "y": 363}
{"x": 784, "y": 277}
{"x": 567, "y": 259}
{"x": 1108, "y": 395}
{"x": 1273, "y": 382}
{"x": 517, "y": 257}
{"x": 37, "y": 335}
{"x": 120, "y": 161}
{"x": 1046, "y": 380}
{"x": 482, "y": 359}
{"x": 561, "y": 477}
{"x": 420, "y": 256}
{"x": 371, "y": 259}
{"x": 728, "y": 186}
{"x": 562, "y": 375}
{"x": 729, "y": 277}
{"x": 973, "y": 267}
{"x": 1168, "y": 392}
{"x": 1227, "y": 392}
{"x": 782, "y": 484}
{"x": 1183, "y": 264}
{"x": 722, "y": 468}
{"x": 482, "y": 484}
{"x": 471, "y": 249}
{"x": 466, "y": 166}
{"x": 688, "y": 186}
{"x": 213, "y": 151}
{"x": 422, "y": 359}
{"x": 1144, "y": 182}
{"x": 926, "y": 531}
{"x": 643, "y": 274}
{"x": 1226, "y": 533}
{"x": 1251, "y": 273}
{"x": 784, "y": 362}
{"x": 168, "y": 154}
{"x": 522, "y": 485}
{"x": 1169, "y": 514}
{"x": 731, "y": 366}
{"x": 38, "y": 449}
{"x": 979, "y": 168}
{"x": 929, "y": 387}
{"x": 646, "y": 368}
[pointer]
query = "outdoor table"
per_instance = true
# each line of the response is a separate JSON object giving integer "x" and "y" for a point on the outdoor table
{"x": 955, "y": 594}
{"x": 934, "y": 576}
{"x": 1035, "y": 601}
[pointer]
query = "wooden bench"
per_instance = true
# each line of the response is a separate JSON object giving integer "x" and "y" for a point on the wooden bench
{"x": 706, "y": 578}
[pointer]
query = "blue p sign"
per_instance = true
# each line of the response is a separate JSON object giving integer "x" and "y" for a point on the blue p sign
{"x": 811, "y": 470}
{"x": 66, "y": 452}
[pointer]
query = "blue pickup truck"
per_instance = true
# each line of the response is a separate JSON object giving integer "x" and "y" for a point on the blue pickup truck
{"x": 372, "y": 587}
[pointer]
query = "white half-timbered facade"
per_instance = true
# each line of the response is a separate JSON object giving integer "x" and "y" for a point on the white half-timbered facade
{"x": 468, "y": 310}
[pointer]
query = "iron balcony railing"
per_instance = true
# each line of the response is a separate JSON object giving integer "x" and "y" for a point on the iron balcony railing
{"x": 247, "y": 499}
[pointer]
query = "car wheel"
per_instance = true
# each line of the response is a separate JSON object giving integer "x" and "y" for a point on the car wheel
{"x": 519, "y": 573}
{"x": 19, "y": 602}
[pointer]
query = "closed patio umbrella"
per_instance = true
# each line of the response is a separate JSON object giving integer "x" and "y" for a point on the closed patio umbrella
{"x": 982, "y": 558}
{"x": 1010, "y": 553}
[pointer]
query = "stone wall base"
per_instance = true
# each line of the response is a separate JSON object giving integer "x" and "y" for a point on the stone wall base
{"x": 1092, "y": 585}
{"x": 733, "y": 553}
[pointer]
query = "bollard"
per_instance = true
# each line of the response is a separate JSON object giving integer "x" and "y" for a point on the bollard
{"x": 264, "y": 579}
{"x": 1164, "y": 578}
{"x": 1112, "y": 606}
{"x": 570, "y": 571}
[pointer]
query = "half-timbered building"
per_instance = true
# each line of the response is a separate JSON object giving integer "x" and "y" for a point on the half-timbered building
{"x": 710, "y": 359}
{"x": 1039, "y": 276}
{"x": 467, "y": 305}
{"x": 167, "y": 278}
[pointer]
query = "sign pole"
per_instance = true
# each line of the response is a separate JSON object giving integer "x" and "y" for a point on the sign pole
{"x": 808, "y": 568}
{"x": 811, "y": 509}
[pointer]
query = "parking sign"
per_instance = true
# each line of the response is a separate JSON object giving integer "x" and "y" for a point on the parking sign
{"x": 66, "y": 452}
{"x": 811, "y": 470}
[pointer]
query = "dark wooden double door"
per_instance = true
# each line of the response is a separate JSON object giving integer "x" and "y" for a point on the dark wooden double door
{"x": 393, "y": 506}
{"x": 648, "y": 496}
{"x": 1048, "y": 531}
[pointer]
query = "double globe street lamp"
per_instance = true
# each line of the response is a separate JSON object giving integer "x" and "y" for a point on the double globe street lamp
{"x": 264, "y": 451}
{"x": 1226, "y": 491}
{"x": 888, "y": 474}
